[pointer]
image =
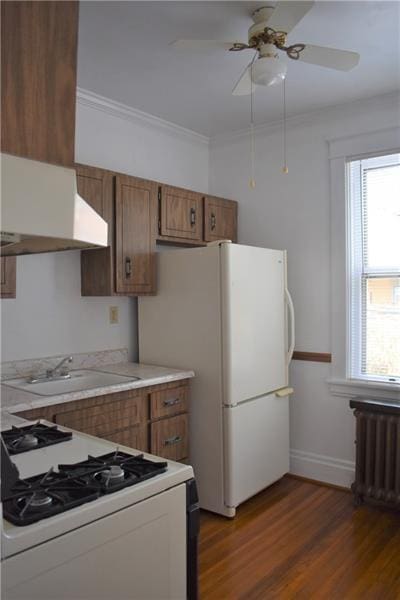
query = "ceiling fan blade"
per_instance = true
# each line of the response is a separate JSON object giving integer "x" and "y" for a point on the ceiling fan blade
{"x": 341, "y": 60}
{"x": 244, "y": 85}
{"x": 287, "y": 14}
{"x": 202, "y": 44}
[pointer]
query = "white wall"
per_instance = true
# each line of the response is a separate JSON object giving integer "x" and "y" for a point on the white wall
{"x": 284, "y": 211}
{"x": 49, "y": 316}
{"x": 292, "y": 211}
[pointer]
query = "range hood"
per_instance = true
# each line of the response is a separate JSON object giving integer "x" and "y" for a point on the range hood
{"x": 41, "y": 210}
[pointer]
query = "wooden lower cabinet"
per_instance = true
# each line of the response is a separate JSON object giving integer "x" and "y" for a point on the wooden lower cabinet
{"x": 169, "y": 437}
{"x": 152, "y": 419}
{"x": 133, "y": 437}
{"x": 105, "y": 419}
{"x": 167, "y": 402}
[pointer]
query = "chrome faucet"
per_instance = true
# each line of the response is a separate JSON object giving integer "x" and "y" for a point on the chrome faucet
{"x": 57, "y": 372}
{"x": 50, "y": 373}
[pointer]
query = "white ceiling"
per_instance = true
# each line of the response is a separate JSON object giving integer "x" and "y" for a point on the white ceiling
{"x": 124, "y": 54}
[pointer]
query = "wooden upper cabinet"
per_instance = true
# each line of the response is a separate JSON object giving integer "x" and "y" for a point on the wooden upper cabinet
{"x": 96, "y": 186}
{"x": 220, "y": 219}
{"x": 38, "y": 78}
{"x": 135, "y": 216}
{"x": 180, "y": 214}
{"x": 8, "y": 271}
{"x": 128, "y": 204}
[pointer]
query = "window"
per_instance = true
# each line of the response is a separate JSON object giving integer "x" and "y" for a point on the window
{"x": 374, "y": 268}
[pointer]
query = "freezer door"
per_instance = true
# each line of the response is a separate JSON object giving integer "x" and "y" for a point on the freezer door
{"x": 253, "y": 282}
{"x": 256, "y": 446}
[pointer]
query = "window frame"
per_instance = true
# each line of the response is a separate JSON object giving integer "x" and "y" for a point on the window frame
{"x": 339, "y": 151}
{"x": 358, "y": 272}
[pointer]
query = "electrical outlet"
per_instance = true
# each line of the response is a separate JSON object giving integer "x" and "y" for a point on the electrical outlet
{"x": 114, "y": 314}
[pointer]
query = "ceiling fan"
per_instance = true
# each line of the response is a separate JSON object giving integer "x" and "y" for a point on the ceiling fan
{"x": 267, "y": 36}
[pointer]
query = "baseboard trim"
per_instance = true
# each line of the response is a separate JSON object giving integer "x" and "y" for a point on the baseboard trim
{"x": 322, "y": 468}
{"x": 341, "y": 488}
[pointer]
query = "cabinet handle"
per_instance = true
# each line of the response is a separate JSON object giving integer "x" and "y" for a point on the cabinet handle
{"x": 171, "y": 402}
{"x": 213, "y": 221}
{"x": 193, "y": 216}
{"x": 128, "y": 267}
{"x": 172, "y": 440}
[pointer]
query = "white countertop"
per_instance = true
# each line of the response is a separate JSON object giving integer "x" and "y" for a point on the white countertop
{"x": 14, "y": 400}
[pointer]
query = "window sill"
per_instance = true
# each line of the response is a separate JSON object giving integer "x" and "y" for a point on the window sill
{"x": 349, "y": 388}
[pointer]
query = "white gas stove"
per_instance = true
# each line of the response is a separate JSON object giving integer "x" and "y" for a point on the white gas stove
{"x": 90, "y": 520}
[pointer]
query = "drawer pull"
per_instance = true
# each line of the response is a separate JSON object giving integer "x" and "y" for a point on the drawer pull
{"x": 172, "y": 440}
{"x": 171, "y": 402}
{"x": 213, "y": 221}
{"x": 193, "y": 216}
{"x": 128, "y": 267}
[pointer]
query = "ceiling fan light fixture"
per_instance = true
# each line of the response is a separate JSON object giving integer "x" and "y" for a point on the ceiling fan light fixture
{"x": 268, "y": 71}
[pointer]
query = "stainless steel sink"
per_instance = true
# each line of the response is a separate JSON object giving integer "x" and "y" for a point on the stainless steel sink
{"x": 83, "y": 379}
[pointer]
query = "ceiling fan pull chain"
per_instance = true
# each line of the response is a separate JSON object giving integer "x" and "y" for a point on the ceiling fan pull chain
{"x": 252, "y": 182}
{"x": 285, "y": 167}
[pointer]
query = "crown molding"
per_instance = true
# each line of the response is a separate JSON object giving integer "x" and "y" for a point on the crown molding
{"x": 139, "y": 117}
{"x": 305, "y": 118}
{"x": 380, "y": 140}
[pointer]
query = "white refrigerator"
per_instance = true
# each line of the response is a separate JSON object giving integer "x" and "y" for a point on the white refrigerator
{"x": 224, "y": 311}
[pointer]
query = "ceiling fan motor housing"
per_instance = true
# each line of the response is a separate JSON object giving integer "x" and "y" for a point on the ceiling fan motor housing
{"x": 260, "y": 18}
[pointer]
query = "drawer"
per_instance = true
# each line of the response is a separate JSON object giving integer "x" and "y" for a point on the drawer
{"x": 134, "y": 437}
{"x": 105, "y": 418}
{"x": 168, "y": 402}
{"x": 169, "y": 437}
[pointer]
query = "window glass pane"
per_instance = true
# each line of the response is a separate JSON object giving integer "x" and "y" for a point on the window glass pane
{"x": 382, "y": 217}
{"x": 382, "y": 326}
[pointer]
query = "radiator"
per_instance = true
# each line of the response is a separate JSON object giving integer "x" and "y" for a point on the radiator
{"x": 377, "y": 477}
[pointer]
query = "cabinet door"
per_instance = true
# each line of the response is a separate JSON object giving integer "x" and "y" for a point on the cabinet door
{"x": 134, "y": 437}
{"x": 96, "y": 187}
{"x": 135, "y": 216}
{"x": 8, "y": 269}
{"x": 97, "y": 269}
{"x": 169, "y": 438}
{"x": 38, "y": 79}
{"x": 181, "y": 213}
{"x": 220, "y": 219}
{"x": 105, "y": 417}
{"x": 164, "y": 403}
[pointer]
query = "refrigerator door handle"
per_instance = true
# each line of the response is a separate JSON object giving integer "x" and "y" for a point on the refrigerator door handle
{"x": 289, "y": 302}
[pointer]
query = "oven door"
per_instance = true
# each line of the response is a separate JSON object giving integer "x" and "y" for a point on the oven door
{"x": 136, "y": 553}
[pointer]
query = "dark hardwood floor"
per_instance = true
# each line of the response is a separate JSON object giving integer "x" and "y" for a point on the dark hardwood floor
{"x": 301, "y": 540}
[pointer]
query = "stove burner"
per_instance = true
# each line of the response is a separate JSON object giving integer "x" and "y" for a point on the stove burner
{"x": 38, "y": 435}
{"x": 54, "y": 492}
{"x": 27, "y": 442}
{"x": 40, "y": 500}
{"x": 112, "y": 475}
{"x": 114, "y": 471}
{"x": 45, "y": 495}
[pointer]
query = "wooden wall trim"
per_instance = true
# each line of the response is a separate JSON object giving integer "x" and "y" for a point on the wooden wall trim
{"x": 312, "y": 356}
